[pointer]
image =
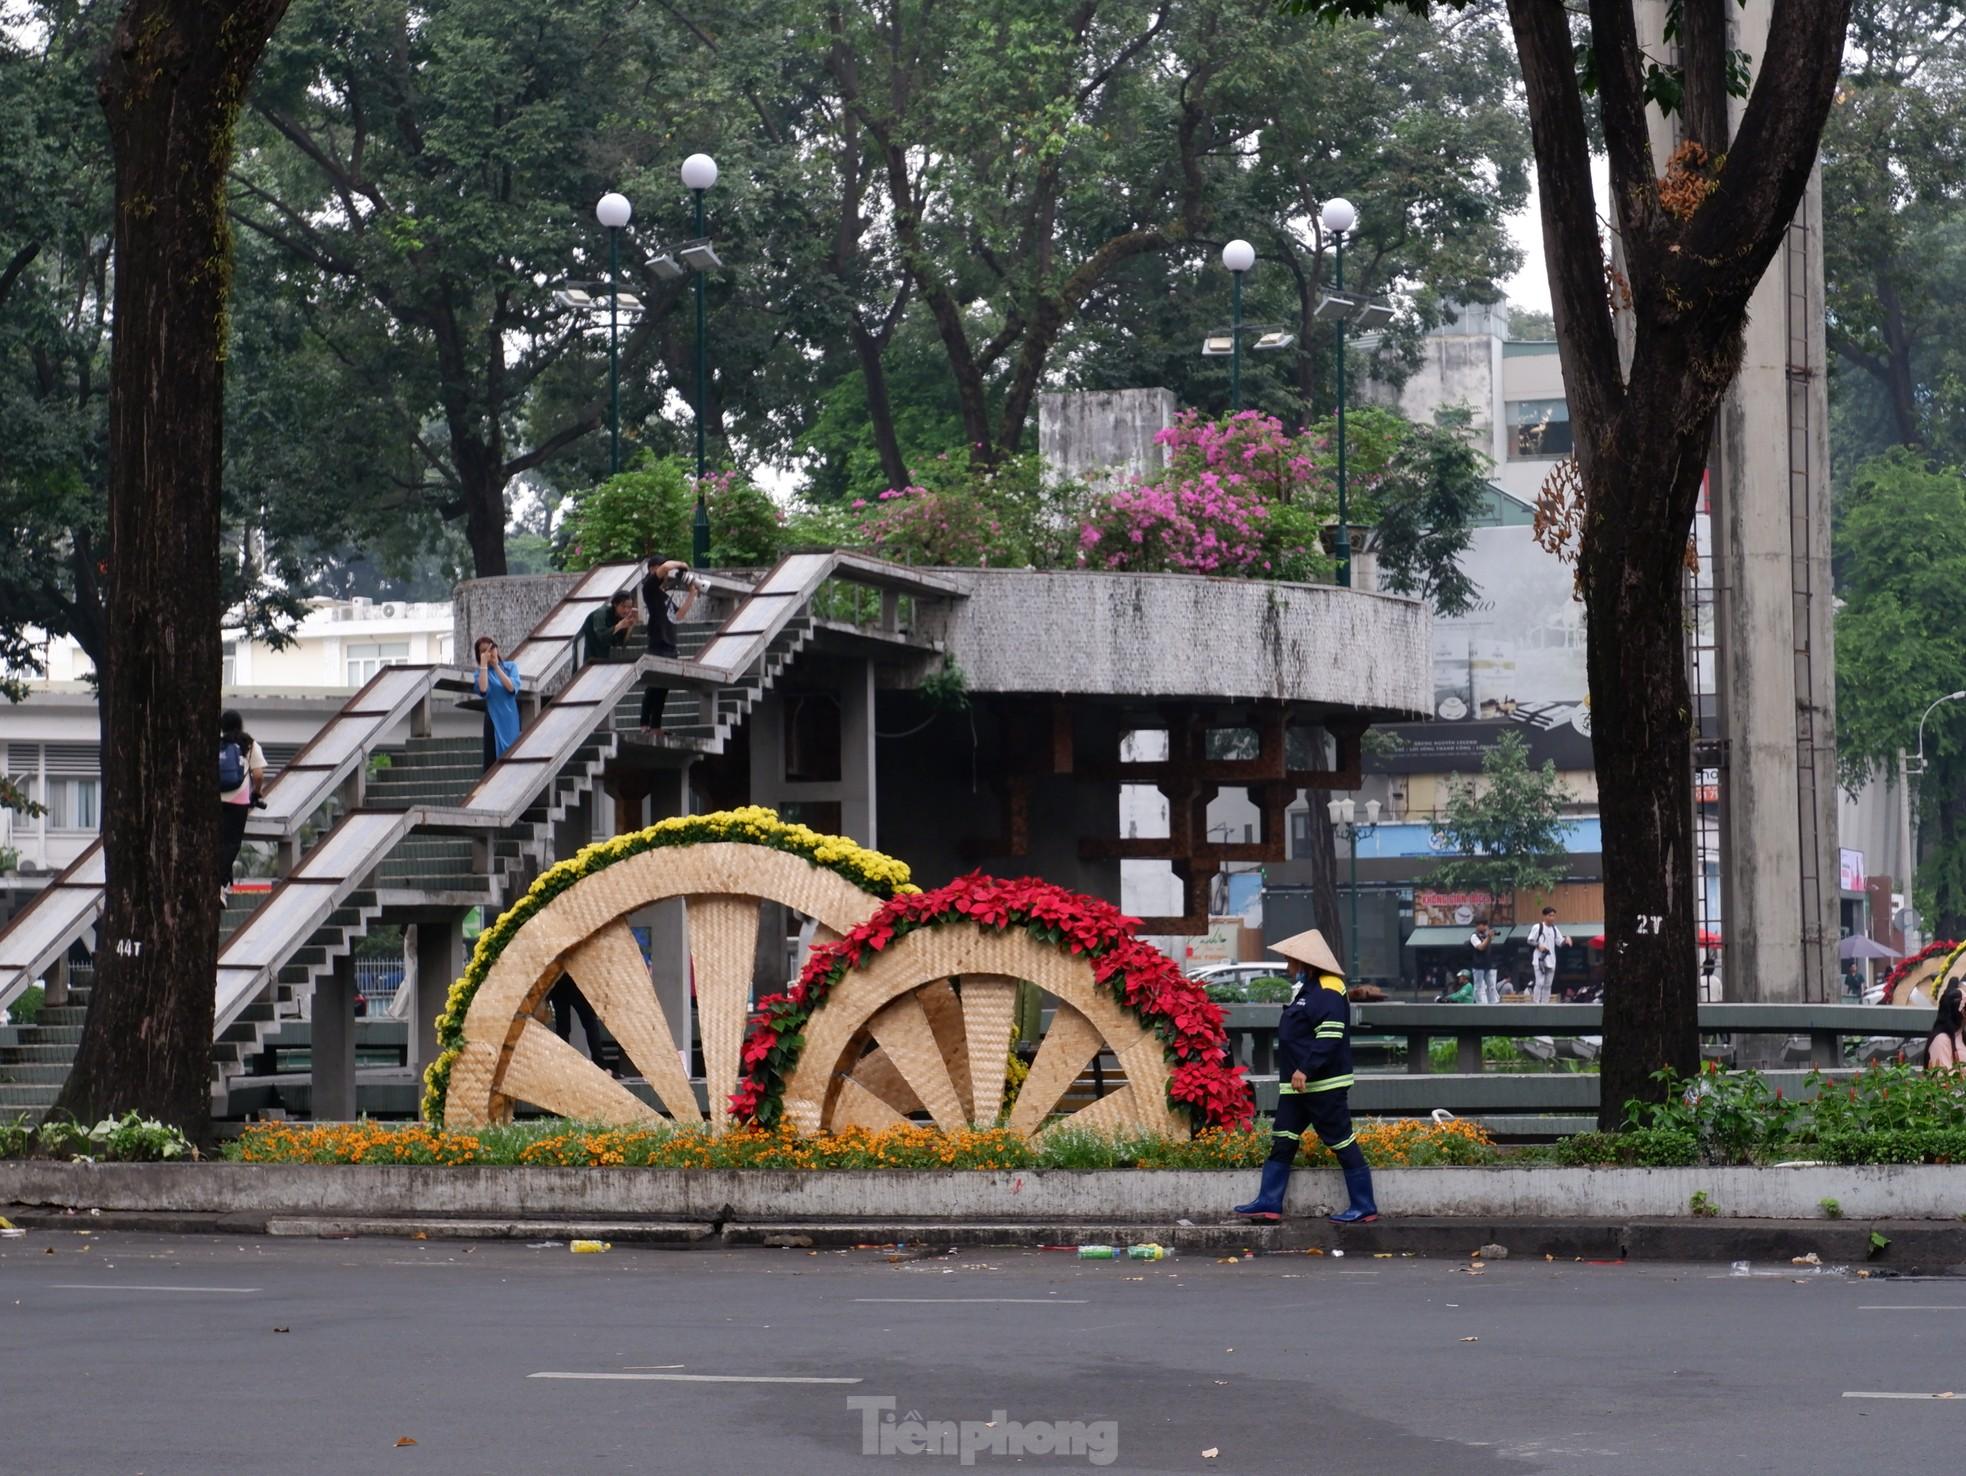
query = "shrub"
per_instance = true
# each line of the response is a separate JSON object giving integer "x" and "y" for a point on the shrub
{"x": 1270, "y": 990}
{"x": 27, "y": 1009}
{"x": 1588, "y": 1150}
{"x": 644, "y": 510}
{"x": 746, "y": 527}
{"x": 125, "y": 1139}
{"x": 16, "y": 1137}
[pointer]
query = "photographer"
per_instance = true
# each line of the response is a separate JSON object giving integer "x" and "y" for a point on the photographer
{"x": 241, "y": 775}
{"x": 665, "y": 577}
{"x": 1544, "y": 940}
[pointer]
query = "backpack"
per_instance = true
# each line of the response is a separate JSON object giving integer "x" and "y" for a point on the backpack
{"x": 231, "y": 765}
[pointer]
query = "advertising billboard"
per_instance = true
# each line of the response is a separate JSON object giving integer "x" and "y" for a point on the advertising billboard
{"x": 1513, "y": 663}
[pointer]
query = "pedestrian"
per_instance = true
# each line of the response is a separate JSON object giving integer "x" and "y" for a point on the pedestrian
{"x": 607, "y": 628}
{"x": 1853, "y": 981}
{"x": 1481, "y": 944}
{"x": 1314, "y": 1066}
{"x": 568, "y": 1001}
{"x": 241, "y": 776}
{"x": 1945, "y": 1047}
{"x": 664, "y": 577}
{"x": 1545, "y": 937}
{"x": 1463, "y": 992}
{"x": 498, "y": 683}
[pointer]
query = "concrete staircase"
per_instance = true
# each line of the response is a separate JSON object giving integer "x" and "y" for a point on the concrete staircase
{"x": 706, "y": 721}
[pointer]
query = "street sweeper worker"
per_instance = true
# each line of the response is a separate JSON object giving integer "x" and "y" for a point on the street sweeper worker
{"x": 1314, "y": 1071}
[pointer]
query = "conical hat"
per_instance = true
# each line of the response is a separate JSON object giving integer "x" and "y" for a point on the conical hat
{"x": 1310, "y": 949}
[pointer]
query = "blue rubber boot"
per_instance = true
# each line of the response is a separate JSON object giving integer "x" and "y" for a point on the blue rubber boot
{"x": 1358, "y": 1184}
{"x": 1268, "y": 1203}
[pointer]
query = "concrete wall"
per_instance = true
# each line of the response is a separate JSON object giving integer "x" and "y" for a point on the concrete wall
{"x": 1177, "y": 635}
{"x": 506, "y": 608}
{"x": 1104, "y": 436}
{"x": 1899, "y": 1193}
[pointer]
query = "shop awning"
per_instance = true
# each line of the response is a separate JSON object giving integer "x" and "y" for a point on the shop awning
{"x": 1439, "y": 937}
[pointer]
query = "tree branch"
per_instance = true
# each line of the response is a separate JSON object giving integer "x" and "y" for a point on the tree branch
{"x": 1587, "y": 346}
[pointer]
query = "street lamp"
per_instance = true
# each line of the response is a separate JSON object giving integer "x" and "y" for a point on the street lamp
{"x": 1906, "y": 768}
{"x": 614, "y": 212}
{"x": 699, "y": 174}
{"x": 1339, "y": 217}
{"x": 1344, "y": 821}
{"x": 1239, "y": 257}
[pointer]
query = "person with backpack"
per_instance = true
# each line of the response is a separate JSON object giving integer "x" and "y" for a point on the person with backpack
{"x": 241, "y": 775}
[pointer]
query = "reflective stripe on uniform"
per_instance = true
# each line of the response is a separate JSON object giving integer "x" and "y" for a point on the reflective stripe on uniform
{"x": 1280, "y": 1133}
{"x": 1330, "y": 1031}
{"x": 1329, "y": 1084}
{"x": 1334, "y": 1147}
{"x": 1285, "y": 1089}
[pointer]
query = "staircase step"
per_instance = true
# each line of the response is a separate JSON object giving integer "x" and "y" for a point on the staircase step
{"x": 61, "y": 1015}
{"x": 35, "y": 1055}
{"x": 49, "y": 1074}
{"x": 28, "y": 1098}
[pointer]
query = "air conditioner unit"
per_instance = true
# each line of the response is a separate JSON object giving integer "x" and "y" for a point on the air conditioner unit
{"x": 391, "y": 610}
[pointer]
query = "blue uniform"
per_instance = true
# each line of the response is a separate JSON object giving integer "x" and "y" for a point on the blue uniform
{"x": 1314, "y": 1037}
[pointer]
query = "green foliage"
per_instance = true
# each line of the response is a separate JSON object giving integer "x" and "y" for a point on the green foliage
{"x": 1434, "y": 486}
{"x": 1505, "y": 833}
{"x": 745, "y": 524}
{"x": 1735, "y": 1117}
{"x": 1831, "y": 1209}
{"x": 1876, "y": 1244}
{"x": 27, "y": 1009}
{"x": 945, "y": 689}
{"x": 9, "y": 859}
{"x": 125, "y": 1139}
{"x": 1901, "y": 643}
{"x": 16, "y": 1137}
{"x": 1268, "y": 990}
{"x": 643, "y": 512}
{"x": 1702, "y": 1205}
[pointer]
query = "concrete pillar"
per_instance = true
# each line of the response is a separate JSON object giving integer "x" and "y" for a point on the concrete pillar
{"x": 1773, "y": 606}
{"x": 1774, "y": 674}
{"x": 857, "y": 760}
{"x": 438, "y": 952}
{"x": 333, "y": 1044}
{"x": 1103, "y": 436}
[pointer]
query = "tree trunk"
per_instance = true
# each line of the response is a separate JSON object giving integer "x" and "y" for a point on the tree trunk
{"x": 880, "y": 412}
{"x": 1641, "y": 737}
{"x": 171, "y": 87}
{"x": 481, "y": 488}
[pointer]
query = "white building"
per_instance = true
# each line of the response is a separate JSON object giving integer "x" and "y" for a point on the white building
{"x": 51, "y": 743}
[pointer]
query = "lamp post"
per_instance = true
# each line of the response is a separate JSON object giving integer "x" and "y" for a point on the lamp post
{"x": 1344, "y": 821}
{"x": 1338, "y": 217}
{"x": 699, "y": 174}
{"x": 1238, "y": 256}
{"x": 1906, "y": 768}
{"x": 614, "y": 212}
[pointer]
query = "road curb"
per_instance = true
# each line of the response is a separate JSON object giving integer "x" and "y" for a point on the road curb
{"x": 1911, "y": 1247}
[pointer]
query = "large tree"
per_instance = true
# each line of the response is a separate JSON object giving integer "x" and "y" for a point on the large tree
{"x": 1893, "y": 154}
{"x": 1901, "y": 643}
{"x": 1696, "y": 233}
{"x": 172, "y": 87}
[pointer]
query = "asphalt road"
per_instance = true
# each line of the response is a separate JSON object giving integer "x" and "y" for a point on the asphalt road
{"x": 124, "y": 1353}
